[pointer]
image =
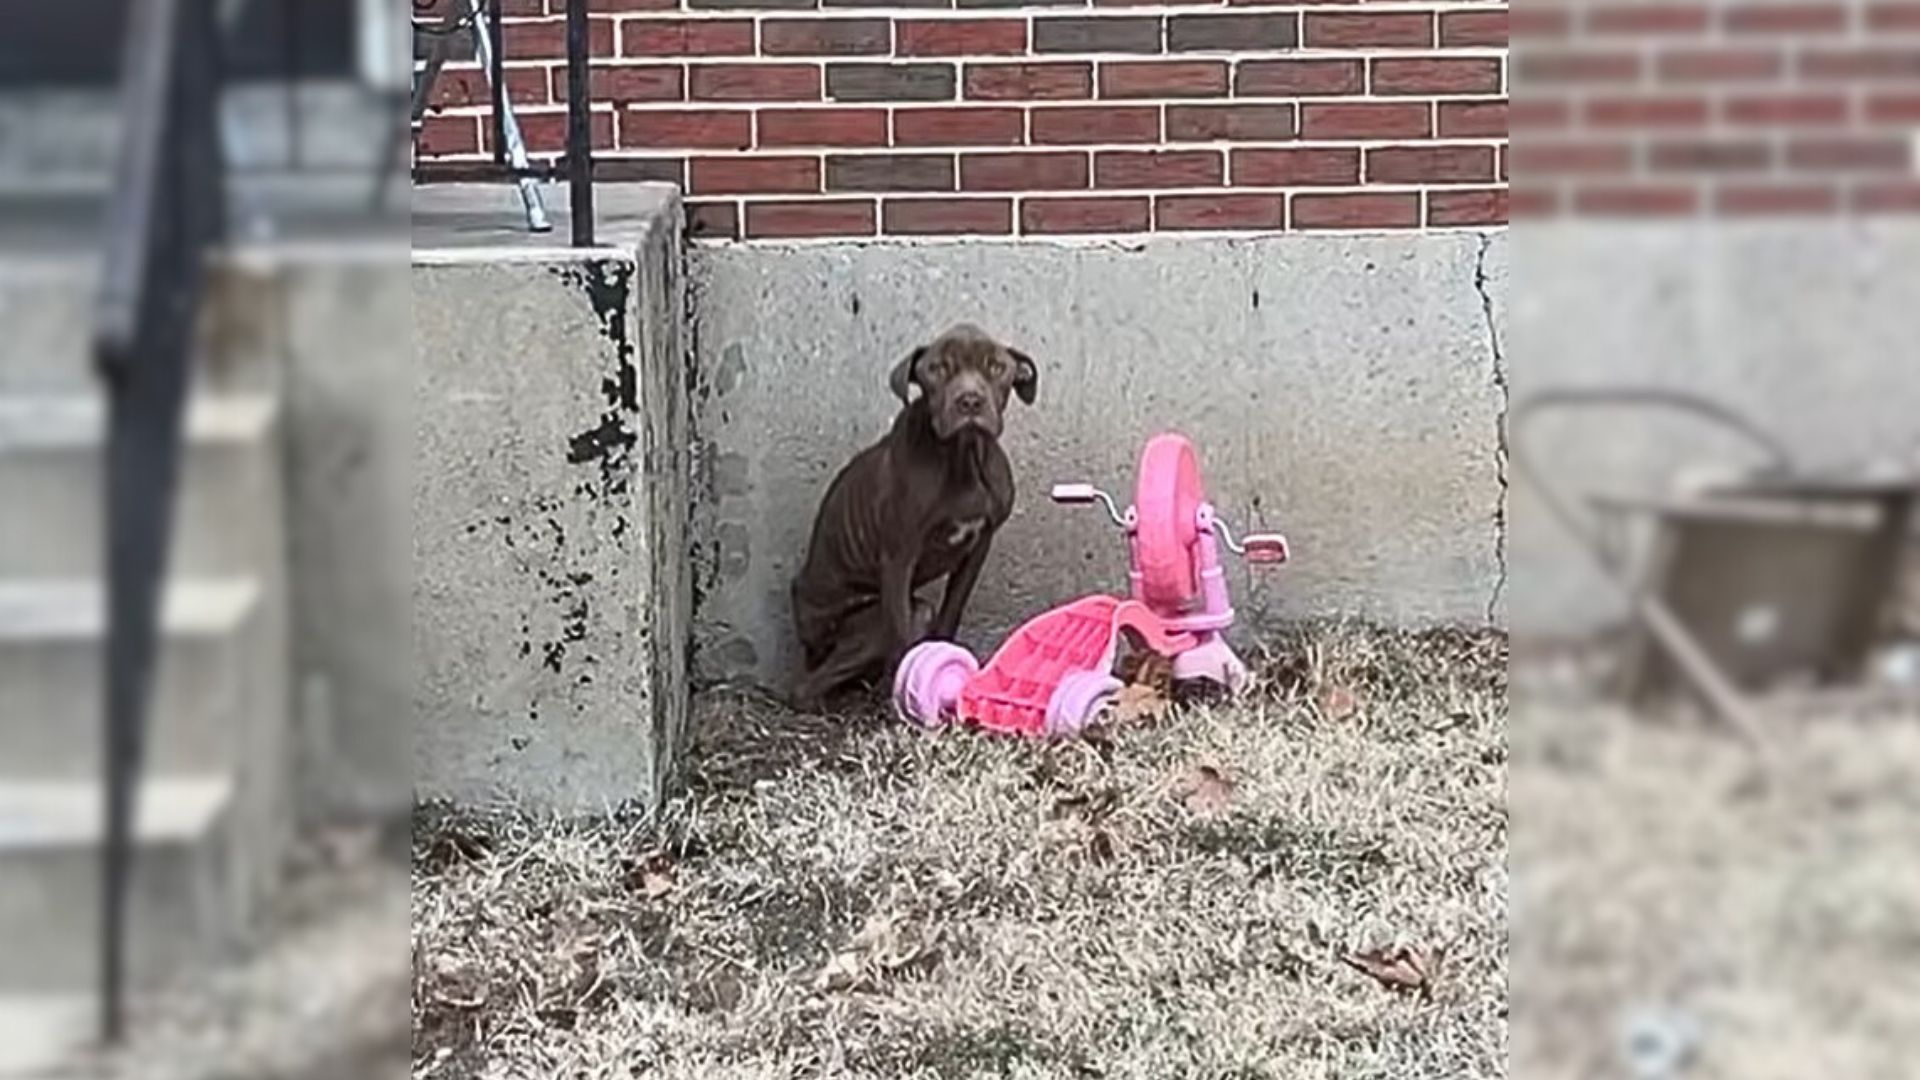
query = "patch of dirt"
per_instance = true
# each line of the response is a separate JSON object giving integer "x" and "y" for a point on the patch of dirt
{"x": 844, "y": 896}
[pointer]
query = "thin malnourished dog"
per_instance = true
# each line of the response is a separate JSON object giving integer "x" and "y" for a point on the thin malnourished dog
{"x": 921, "y": 504}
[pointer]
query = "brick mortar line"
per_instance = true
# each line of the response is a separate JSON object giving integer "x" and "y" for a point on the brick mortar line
{"x": 959, "y": 104}
{"x": 765, "y": 153}
{"x": 1106, "y": 239}
{"x": 1094, "y": 193}
{"x": 1384, "y": 7}
{"x": 1785, "y": 44}
{"x": 1224, "y": 188}
{"x": 977, "y": 195}
{"x": 1228, "y": 56}
{"x": 736, "y": 105}
{"x": 1238, "y": 56}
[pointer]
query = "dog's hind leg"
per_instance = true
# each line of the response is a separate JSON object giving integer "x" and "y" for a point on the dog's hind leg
{"x": 861, "y": 652}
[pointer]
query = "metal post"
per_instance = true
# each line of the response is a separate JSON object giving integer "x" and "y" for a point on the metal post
{"x": 495, "y": 48}
{"x": 579, "y": 125}
{"x": 508, "y": 135}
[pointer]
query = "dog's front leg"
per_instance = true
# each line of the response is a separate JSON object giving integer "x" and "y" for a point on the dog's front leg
{"x": 896, "y": 603}
{"x": 960, "y": 585}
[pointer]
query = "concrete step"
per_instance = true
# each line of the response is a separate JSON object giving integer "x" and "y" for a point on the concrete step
{"x": 39, "y": 1032}
{"x": 185, "y": 904}
{"x": 52, "y": 650}
{"x": 47, "y": 307}
{"x": 52, "y": 470}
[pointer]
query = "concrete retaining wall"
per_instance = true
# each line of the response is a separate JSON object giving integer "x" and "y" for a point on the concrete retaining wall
{"x": 550, "y": 584}
{"x": 1344, "y": 389}
{"x": 325, "y": 328}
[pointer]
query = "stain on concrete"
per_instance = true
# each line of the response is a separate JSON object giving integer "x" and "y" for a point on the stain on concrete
{"x": 732, "y": 474}
{"x": 735, "y": 554}
{"x": 608, "y": 286}
{"x": 705, "y": 559}
{"x": 732, "y": 369}
{"x": 539, "y": 543}
{"x": 608, "y": 442}
{"x": 737, "y": 655}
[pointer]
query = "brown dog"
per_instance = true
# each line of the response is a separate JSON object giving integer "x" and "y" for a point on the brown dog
{"x": 921, "y": 504}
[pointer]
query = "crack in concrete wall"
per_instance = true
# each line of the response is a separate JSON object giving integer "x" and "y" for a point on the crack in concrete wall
{"x": 1499, "y": 361}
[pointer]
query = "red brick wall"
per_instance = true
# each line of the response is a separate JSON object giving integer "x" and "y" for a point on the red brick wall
{"x": 1737, "y": 108}
{"x": 830, "y": 118}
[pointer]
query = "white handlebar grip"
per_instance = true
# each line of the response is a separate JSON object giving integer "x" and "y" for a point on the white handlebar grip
{"x": 1269, "y": 548}
{"x": 1074, "y": 493}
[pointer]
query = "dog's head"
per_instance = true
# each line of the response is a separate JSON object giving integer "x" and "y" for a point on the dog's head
{"x": 966, "y": 377}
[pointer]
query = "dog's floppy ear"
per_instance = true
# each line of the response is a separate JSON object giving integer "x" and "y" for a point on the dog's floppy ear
{"x": 1026, "y": 377}
{"x": 902, "y": 378}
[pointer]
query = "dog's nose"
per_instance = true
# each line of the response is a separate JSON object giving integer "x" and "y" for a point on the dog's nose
{"x": 971, "y": 402}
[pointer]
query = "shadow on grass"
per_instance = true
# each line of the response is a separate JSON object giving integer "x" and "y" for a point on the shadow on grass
{"x": 745, "y": 737}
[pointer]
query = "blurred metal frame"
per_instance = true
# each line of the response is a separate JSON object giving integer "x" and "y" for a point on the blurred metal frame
{"x": 482, "y": 18}
{"x": 1649, "y": 609}
{"x": 1773, "y": 571}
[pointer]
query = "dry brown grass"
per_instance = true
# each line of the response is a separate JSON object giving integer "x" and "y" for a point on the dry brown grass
{"x": 1772, "y": 929}
{"x": 849, "y": 898}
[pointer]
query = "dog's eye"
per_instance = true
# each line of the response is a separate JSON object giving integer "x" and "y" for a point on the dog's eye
{"x": 996, "y": 368}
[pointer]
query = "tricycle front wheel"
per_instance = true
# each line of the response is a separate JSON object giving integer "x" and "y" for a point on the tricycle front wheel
{"x": 927, "y": 687}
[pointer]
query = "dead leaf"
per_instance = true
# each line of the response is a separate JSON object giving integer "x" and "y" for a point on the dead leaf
{"x": 883, "y": 945}
{"x": 875, "y": 932}
{"x": 1096, "y": 739}
{"x": 1089, "y": 806}
{"x": 650, "y": 875}
{"x": 1145, "y": 667}
{"x": 1205, "y": 790}
{"x": 453, "y": 846}
{"x": 1101, "y": 845}
{"x": 1139, "y": 701}
{"x": 1398, "y": 968}
{"x": 1147, "y": 690}
{"x": 457, "y": 984}
{"x": 843, "y": 972}
{"x": 1337, "y": 702}
{"x": 718, "y": 992}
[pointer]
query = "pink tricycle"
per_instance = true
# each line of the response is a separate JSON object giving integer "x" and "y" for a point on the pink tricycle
{"x": 1054, "y": 674}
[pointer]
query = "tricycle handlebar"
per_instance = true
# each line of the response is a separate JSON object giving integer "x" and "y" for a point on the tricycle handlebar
{"x": 1265, "y": 548}
{"x": 1081, "y": 494}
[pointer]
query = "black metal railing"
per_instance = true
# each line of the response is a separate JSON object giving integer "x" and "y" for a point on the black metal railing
{"x": 575, "y": 165}
{"x": 167, "y": 213}
{"x": 579, "y": 126}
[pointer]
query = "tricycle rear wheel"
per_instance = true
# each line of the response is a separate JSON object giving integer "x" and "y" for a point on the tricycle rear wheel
{"x": 1079, "y": 700}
